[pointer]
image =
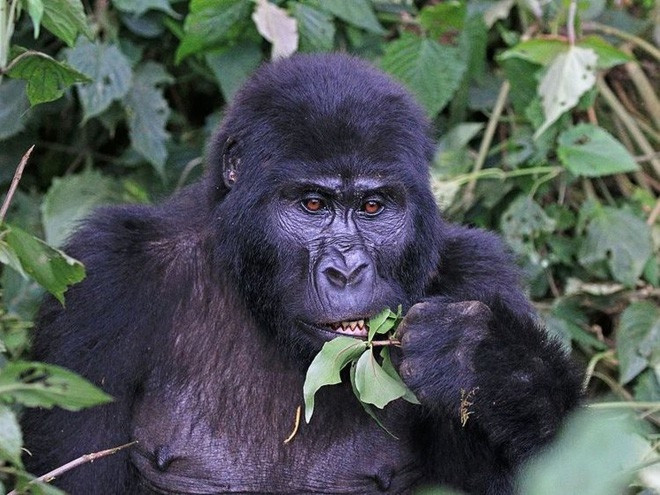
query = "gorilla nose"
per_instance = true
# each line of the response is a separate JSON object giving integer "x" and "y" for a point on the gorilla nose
{"x": 342, "y": 277}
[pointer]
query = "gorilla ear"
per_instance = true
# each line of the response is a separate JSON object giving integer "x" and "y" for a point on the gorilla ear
{"x": 230, "y": 162}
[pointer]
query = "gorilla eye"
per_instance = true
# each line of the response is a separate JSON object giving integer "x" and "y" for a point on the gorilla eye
{"x": 372, "y": 207}
{"x": 313, "y": 205}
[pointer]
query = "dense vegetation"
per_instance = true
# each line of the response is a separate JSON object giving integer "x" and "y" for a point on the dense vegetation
{"x": 547, "y": 124}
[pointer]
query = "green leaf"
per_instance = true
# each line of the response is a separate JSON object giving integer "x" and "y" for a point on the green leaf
{"x": 367, "y": 407}
{"x": 51, "y": 268}
{"x": 621, "y": 239}
{"x": 317, "y": 31}
{"x": 47, "y": 79}
{"x": 72, "y": 198}
{"x": 443, "y": 18}
{"x": 11, "y": 439}
{"x": 569, "y": 76}
{"x": 389, "y": 368}
{"x": 326, "y": 366}
{"x": 590, "y": 151}
{"x": 431, "y": 71}
{"x": 211, "y": 23}
{"x": 523, "y": 222}
{"x": 66, "y": 19}
{"x": 382, "y": 323}
{"x": 148, "y": 112}
{"x": 594, "y": 455}
{"x": 139, "y": 7}
{"x": 355, "y": 12}
{"x": 14, "y": 107}
{"x": 537, "y": 51}
{"x": 109, "y": 70}
{"x": 45, "y": 385}
{"x": 608, "y": 56}
{"x": 35, "y": 10}
{"x": 232, "y": 65}
{"x": 637, "y": 337}
{"x": 374, "y": 385}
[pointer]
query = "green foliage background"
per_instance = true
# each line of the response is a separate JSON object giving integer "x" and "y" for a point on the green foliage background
{"x": 547, "y": 122}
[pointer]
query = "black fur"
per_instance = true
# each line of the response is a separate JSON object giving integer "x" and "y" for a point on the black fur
{"x": 201, "y": 314}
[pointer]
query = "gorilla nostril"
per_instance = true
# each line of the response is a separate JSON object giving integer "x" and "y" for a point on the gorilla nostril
{"x": 335, "y": 277}
{"x": 356, "y": 274}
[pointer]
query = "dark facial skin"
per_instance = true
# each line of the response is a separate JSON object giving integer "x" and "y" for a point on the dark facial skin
{"x": 200, "y": 315}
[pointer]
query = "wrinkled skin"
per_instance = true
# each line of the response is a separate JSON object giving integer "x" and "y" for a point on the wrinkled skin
{"x": 200, "y": 315}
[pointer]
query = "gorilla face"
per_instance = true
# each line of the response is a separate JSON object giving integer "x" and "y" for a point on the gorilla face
{"x": 331, "y": 177}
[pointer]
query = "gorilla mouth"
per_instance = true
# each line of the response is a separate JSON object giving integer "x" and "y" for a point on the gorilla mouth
{"x": 357, "y": 328}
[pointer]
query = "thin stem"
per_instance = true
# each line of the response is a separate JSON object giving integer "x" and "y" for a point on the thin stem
{"x": 570, "y": 22}
{"x": 83, "y": 459}
{"x": 592, "y": 366}
{"x": 488, "y": 138}
{"x": 625, "y": 405}
{"x": 14, "y": 182}
{"x": 384, "y": 343}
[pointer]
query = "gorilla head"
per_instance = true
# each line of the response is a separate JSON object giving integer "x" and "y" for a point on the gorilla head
{"x": 326, "y": 160}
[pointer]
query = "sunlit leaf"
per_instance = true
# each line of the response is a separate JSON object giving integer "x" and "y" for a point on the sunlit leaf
{"x": 51, "y": 268}
{"x": 46, "y": 385}
{"x": 277, "y": 27}
{"x": 568, "y": 77}
{"x": 326, "y": 366}
{"x": 47, "y": 79}
{"x": 374, "y": 385}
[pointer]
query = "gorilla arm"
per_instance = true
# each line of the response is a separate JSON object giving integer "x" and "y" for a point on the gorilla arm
{"x": 473, "y": 351}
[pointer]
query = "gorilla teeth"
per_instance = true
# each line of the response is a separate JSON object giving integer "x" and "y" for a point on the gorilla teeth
{"x": 356, "y": 328}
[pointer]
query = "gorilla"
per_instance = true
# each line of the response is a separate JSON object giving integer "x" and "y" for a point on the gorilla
{"x": 200, "y": 315}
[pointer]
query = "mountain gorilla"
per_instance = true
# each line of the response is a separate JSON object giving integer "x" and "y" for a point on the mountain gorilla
{"x": 201, "y": 315}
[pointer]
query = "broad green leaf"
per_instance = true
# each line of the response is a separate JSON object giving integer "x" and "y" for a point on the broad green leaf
{"x": 355, "y": 12}
{"x": 109, "y": 70}
{"x": 326, "y": 366}
{"x": 51, "y": 268}
{"x": 11, "y": 439}
{"x": 568, "y": 321}
{"x": 139, "y": 7}
{"x": 14, "y": 107}
{"x": 211, "y": 23}
{"x": 277, "y": 27}
{"x": 590, "y": 151}
{"x": 374, "y": 385}
{"x": 148, "y": 112}
{"x": 45, "y": 385}
{"x": 569, "y": 76}
{"x": 522, "y": 76}
{"x": 621, "y": 239}
{"x": 594, "y": 454}
{"x": 66, "y": 19}
{"x": 608, "y": 55}
{"x": 47, "y": 79}
{"x": 383, "y": 322}
{"x": 367, "y": 407}
{"x": 431, "y": 71}
{"x": 232, "y": 65}
{"x": 35, "y": 10}
{"x": 317, "y": 31}
{"x": 388, "y": 367}
{"x": 72, "y": 198}
{"x": 638, "y": 336}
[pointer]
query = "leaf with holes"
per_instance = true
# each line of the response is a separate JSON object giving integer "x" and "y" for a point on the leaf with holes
{"x": 327, "y": 365}
{"x": 589, "y": 151}
{"x": 569, "y": 76}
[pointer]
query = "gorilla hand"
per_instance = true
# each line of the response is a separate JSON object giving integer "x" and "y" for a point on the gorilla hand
{"x": 438, "y": 341}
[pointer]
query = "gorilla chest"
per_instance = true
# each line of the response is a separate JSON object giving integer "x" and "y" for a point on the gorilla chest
{"x": 231, "y": 438}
